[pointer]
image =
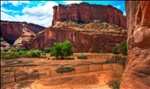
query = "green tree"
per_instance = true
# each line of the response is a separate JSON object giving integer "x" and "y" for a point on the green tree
{"x": 61, "y": 49}
{"x": 47, "y": 49}
{"x": 115, "y": 50}
{"x": 123, "y": 47}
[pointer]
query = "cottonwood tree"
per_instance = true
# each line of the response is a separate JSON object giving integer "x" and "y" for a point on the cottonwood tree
{"x": 61, "y": 50}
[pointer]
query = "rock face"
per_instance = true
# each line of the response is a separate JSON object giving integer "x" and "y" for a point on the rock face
{"x": 11, "y": 31}
{"x": 80, "y": 42}
{"x": 85, "y": 12}
{"x": 27, "y": 36}
{"x": 137, "y": 72}
{"x": 4, "y": 44}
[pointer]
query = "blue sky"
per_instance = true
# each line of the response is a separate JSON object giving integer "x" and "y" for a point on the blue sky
{"x": 41, "y": 12}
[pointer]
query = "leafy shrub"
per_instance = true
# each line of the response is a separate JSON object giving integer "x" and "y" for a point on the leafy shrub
{"x": 11, "y": 55}
{"x": 64, "y": 69}
{"x": 82, "y": 56}
{"x": 33, "y": 53}
{"x": 21, "y": 49}
{"x": 18, "y": 49}
{"x": 24, "y": 54}
{"x": 115, "y": 50}
{"x": 47, "y": 49}
{"x": 98, "y": 51}
{"x": 13, "y": 50}
{"x": 123, "y": 47}
{"x": 5, "y": 50}
{"x": 115, "y": 84}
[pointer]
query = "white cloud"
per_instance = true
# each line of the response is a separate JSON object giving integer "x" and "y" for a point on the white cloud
{"x": 124, "y": 13}
{"x": 41, "y": 15}
{"x": 8, "y": 11}
{"x": 15, "y": 3}
{"x": 5, "y": 16}
{"x": 118, "y": 7}
{"x": 71, "y": 2}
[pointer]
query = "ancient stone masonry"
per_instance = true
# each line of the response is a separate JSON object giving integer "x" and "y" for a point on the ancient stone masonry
{"x": 137, "y": 72}
{"x": 85, "y": 12}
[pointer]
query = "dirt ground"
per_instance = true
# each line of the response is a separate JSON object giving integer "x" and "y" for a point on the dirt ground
{"x": 90, "y": 80}
{"x": 50, "y": 60}
{"x": 93, "y": 80}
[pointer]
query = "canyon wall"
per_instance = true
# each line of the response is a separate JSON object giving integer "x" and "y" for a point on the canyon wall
{"x": 80, "y": 42}
{"x": 137, "y": 71}
{"x": 85, "y": 12}
{"x": 11, "y": 31}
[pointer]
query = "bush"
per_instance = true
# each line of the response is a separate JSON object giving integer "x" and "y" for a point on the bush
{"x": 33, "y": 53}
{"x": 13, "y": 50}
{"x": 115, "y": 50}
{"x": 11, "y": 55}
{"x": 64, "y": 69}
{"x": 5, "y": 50}
{"x": 82, "y": 56}
{"x": 98, "y": 51}
{"x": 24, "y": 54}
{"x": 115, "y": 84}
{"x": 47, "y": 49}
{"x": 123, "y": 47}
{"x": 18, "y": 49}
{"x": 21, "y": 49}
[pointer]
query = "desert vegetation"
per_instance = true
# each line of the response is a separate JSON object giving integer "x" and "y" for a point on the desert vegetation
{"x": 47, "y": 49}
{"x": 115, "y": 84}
{"x": 122, "y": 49}
{"x": 20, "y": 52}
{"x": 61, "y": 50}
{"x": 95, "y": 27}
{"x": 64, "y": 69}
{"x": 82, "y": 56}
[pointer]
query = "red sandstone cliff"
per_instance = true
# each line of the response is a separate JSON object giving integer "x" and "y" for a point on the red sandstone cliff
{"x": 4, "y": 44}
{"x": 26, "y": 37}
{"x": 80, "y": 42}
{"x": 85, "y": 37}
{"x": 11, "y": 31}
{"x": 85, "y": 12}
{"x": 137, "y": 72}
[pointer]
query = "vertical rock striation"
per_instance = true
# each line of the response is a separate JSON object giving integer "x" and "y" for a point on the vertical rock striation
{"x": 137, "y": 72}
{"x": 80, "y": 42}
{"x": 85, "y": 12}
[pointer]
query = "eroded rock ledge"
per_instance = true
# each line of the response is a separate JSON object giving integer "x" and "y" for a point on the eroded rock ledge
{"x": 85, "y": 12}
